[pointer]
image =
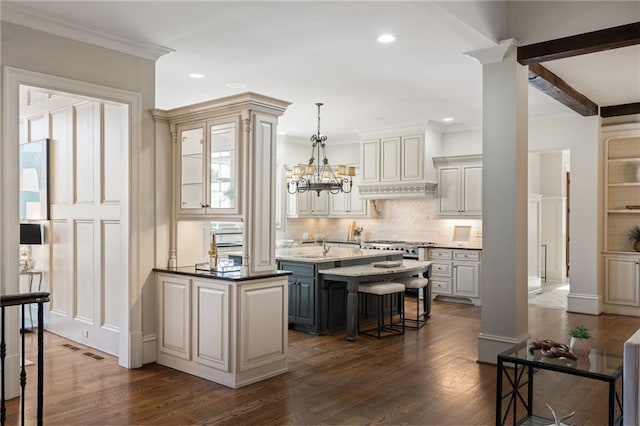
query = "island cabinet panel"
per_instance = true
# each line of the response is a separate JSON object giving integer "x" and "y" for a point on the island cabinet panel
{"x": 232, "y": 332}
{"x": 175, "y": 325}
{"x": 302, "y": 289}
{"x": 263, "y": 338}
{"x": 211, "y": 324}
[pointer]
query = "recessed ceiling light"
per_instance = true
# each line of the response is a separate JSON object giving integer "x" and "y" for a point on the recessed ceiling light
{"x": 236, "y": 85}
{"x": 386, "y": 38}
{"x": 447, "y": 119}
{"x": 196, "y": 75}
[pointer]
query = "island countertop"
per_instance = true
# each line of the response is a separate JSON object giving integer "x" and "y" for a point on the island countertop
{"x": 315, "y": 255}
{"x": 229, "y": 275}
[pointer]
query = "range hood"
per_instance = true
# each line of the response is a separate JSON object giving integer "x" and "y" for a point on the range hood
{"x": 399, "y": 190}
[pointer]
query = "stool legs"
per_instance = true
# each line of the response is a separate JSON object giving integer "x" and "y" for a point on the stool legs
{"x": 421, "y": 318}
{"x": 392, "y": 328}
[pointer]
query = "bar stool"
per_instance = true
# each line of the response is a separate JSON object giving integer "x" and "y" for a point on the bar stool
{"x": 380, "y": 290}
{"x": 417, "y": 283}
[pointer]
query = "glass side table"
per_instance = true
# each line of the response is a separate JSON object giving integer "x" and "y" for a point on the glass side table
{"x": 598, "y": 365}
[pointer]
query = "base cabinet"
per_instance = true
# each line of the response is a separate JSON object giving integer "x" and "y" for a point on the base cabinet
{"x": 230, "y": 332}
{"x": 455, "y": 274}
{"x": 622, "y": 283}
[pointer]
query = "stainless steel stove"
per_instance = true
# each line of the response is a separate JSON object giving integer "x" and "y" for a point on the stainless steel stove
{"x": 410, "y": 248}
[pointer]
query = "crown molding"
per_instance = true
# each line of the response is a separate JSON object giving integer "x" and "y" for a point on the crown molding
{"x": 493, "y": 54}
{"x": 18, "y": 13}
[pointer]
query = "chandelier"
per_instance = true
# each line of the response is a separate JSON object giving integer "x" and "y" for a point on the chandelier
{"x": 316, "y": 176}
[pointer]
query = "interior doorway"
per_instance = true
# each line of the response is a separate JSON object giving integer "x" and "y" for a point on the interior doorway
{"x": 549, "y": 173}
{"x": 82, "y": 260}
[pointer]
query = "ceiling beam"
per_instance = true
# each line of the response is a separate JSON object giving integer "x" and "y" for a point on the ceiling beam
{"x": 616, "y": 110}
{"x": 547, "y": 82}
{"x": 595, "y": 41}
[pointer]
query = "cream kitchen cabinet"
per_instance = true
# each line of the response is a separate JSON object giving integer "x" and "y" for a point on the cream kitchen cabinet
{"x": 221, "y": 156}
{"x": 393, "y": 159}
{"x": 232, "y": 332}
{"x": 349, "y": 204}
{"x": 208, "y": 168}
{"x": 622, "y": 279}
{"x": 455, "y": 274}
{"x": 459, "y": 186}
{"x": 308, "y": 204}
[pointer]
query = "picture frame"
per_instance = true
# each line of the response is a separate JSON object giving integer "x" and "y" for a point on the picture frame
{"x": 34, "y": 180}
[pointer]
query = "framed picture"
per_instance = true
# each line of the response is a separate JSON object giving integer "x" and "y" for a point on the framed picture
{"x": 34, "y": 180}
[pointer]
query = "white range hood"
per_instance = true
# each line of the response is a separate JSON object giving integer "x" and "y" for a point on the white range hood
{"x": 398, "y": 190}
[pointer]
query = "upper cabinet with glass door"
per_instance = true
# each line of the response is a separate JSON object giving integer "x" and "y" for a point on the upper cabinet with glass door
{"x": 209, "y": 188}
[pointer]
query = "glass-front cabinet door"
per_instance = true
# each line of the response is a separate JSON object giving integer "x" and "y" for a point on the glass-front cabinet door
{"x": 192, "y": 148}
{"x": 223, "y": 167}
{"x": 208, "y": 169}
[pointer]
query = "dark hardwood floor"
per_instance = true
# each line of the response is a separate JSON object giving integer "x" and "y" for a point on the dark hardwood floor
{"x": 426, "y": 377}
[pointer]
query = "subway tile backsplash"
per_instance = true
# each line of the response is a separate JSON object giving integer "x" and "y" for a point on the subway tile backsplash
{"x": 409, "y": 220}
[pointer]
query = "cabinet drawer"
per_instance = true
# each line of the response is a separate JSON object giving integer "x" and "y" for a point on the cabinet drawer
{"x": 298, "y": 268}
{"x": 441, "y": 269}
{"x": 440, "y": 286}
{"x": 439, "y": 254}
{"x": 471, "y": 255}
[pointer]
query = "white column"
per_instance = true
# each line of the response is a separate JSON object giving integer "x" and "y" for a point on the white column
{"x": 505, "y": 201}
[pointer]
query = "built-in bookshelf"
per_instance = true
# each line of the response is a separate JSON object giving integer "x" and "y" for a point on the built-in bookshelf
{"x": 622, "y": 191}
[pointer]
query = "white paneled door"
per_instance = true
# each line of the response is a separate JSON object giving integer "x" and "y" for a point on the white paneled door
{"x": 85, "y": 272}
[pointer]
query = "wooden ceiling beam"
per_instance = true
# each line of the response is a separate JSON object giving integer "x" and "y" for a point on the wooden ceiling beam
{"x": 595, "y": 41}
{"x": 547, "y": 82}
{"x": 616, "y": 110}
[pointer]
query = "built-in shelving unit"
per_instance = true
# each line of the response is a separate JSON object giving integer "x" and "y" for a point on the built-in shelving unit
{"x": 622, "y": 191}
{"x": 621, "y": 212}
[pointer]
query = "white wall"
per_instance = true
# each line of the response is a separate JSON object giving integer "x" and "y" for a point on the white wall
{"x": 462, "y": 143}
{"x": 40, "y": 52}
{"x": 534, "y": 172}
{"x": 580, "y": 135}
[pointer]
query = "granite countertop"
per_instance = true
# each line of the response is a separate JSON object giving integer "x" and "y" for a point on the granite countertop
{"x": 234, "y": 274}
{"x": 452, "y": 245}
{"x": 314, "y": 254}
{"x": 372, "y": 270}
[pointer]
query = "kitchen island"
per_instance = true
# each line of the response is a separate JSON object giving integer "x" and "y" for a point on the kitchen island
{"x": 321, "y": 307}
{"x": 353, "y": 276}
{"x": 228, "y": 327}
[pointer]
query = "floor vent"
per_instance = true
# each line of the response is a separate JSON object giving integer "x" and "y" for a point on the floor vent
{"x": 70, "y": 347}
{"x": 94, "y": 356}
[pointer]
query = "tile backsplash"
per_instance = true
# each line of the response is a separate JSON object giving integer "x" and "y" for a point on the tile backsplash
{"x": 409, "y": 220}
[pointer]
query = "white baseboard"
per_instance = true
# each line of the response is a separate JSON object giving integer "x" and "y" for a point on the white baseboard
{"x": 489, "y": 346}
{"x": 149, "y": 348}
{"x": 590, "y": 304}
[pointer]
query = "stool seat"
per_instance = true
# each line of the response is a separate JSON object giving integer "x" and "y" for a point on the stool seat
{"x": 417, "y": 283}
{"x": 381, "y": 288}
{"x": 413, "y": 282}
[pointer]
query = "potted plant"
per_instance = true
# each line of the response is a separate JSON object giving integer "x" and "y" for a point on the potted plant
{"x": 579, "y": 343}
{"x": 634, "y": 236}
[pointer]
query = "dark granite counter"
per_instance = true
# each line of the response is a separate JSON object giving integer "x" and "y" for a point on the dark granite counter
{"x": 231, "y": 274}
